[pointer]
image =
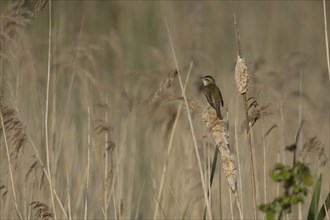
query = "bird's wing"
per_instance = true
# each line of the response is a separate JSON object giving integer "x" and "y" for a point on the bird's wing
{"x": 208, "y": 95}
{"x": 221, "y": 99}
{"x": 217, "y": 96}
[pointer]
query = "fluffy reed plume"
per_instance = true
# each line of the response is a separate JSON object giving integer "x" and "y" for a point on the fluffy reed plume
{"x": 13, "y": 44}
{"x": 241, "y": 75}
{"x": 221, "y": 137}
{"x": 166, "y": 83}
{"x": 241, "y": 70}
{"x": 42, "y": 211}
{"x": 10, "y": 20}
{"x": 15, "y": 130}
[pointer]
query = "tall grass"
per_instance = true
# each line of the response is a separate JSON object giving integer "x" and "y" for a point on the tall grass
{"x": 89, "y": 118}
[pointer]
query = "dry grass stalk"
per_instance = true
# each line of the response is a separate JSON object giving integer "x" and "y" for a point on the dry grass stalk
{"x": 170, "y": 144}
{"x": 88, "y": 160}
{"x": 106, "y": 182}
{"x": 221, "y": 137}
{"x": 239, "y": 166}
{"x": 242, "y": 81}
{"x": 45, "y": 173}
{"x": 190, "y": 123}
{"x": 105, "y": 127}
{"x": 326, "y": 37}
{"x": 42, "y": 211}
{"x": 47, "y": 106}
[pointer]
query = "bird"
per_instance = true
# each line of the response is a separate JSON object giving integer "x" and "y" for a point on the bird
{"x": 213, "y": 94}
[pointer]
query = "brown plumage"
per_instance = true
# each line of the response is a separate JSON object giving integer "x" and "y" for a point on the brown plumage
{"x": 213, "y": 94}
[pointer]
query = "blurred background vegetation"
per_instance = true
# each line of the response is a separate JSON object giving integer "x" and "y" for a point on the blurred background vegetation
{"x": 111, "y": 56}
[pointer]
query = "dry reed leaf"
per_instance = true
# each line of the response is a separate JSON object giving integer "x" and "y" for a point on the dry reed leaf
{"x": 3, "y": 190}
{"x": 32, "y": 167}
{"x": 221, "y": 137}
{"x": 271, "y": 129}
{"x": 42, "y": 180}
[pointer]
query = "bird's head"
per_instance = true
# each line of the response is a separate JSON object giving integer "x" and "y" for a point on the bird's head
{"x": 207, "y": 80}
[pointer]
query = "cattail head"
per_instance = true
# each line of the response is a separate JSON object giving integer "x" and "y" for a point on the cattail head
{"x": 221, "y": 137}
{"x": 241, "y": 75}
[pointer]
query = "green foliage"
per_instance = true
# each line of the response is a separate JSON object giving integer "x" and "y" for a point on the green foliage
{"x": 325, "y": 206}
{"x": 295, "y": 181}
{"x": 214, "y": 166}
{"x": 312, "y": 213}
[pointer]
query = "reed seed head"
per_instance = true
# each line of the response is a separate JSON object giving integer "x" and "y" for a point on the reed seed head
{"x": 221, "y": 137}
{"x": 241, "y": 75}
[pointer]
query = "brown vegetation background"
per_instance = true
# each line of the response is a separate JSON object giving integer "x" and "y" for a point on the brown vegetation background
{"x": 111, "y": 57}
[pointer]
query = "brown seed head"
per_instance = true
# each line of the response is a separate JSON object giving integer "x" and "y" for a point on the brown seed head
{"x": 241, "y": 75}
{"x": 221, "y": 137}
